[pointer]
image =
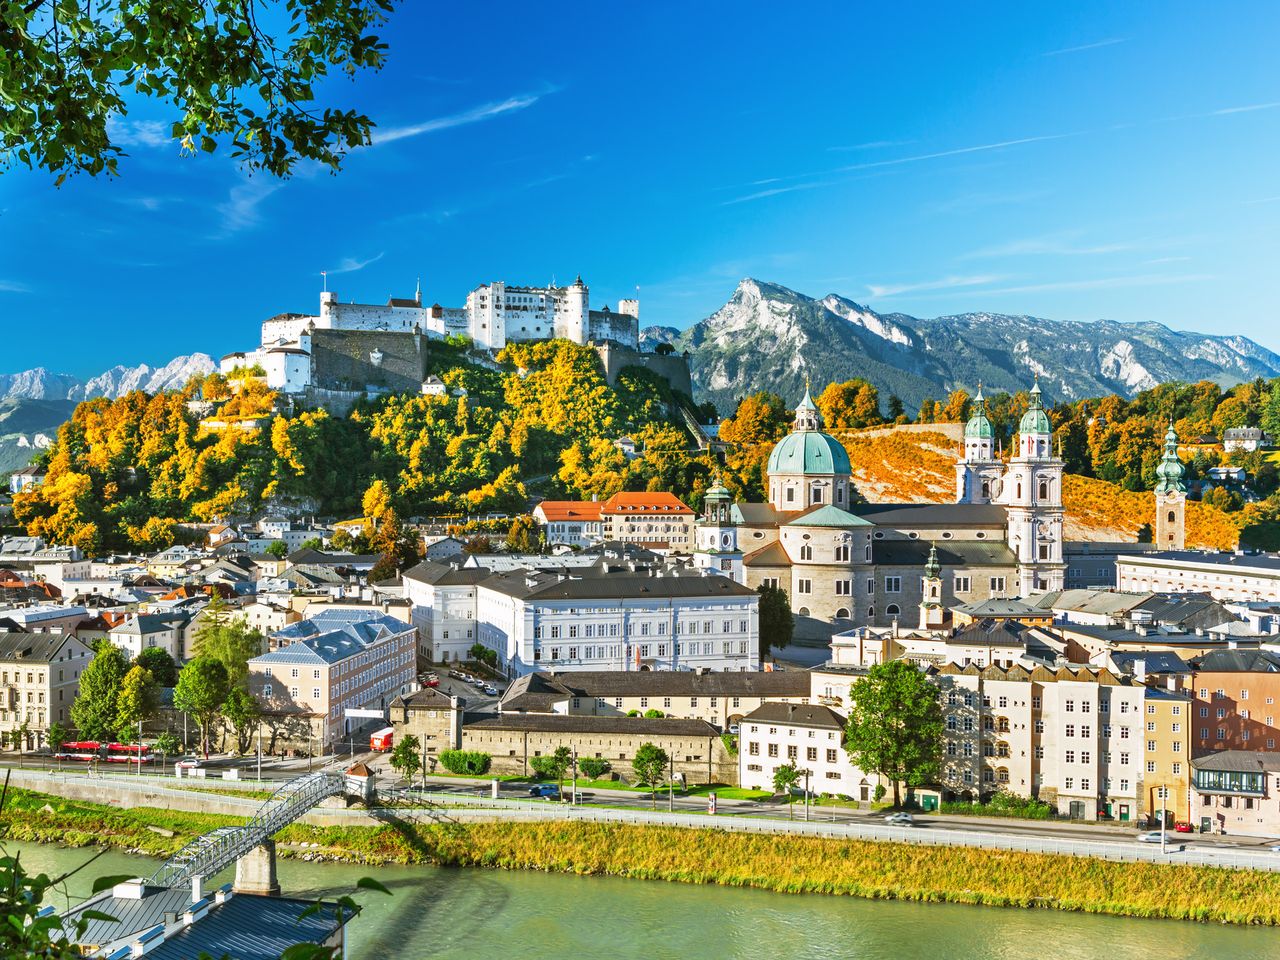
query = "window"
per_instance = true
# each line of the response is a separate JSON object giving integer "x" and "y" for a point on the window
{"x": 831, "y": 756}
{"x": 892, "y": 584}
{"x": 791, "y": 751}
{"x": 754, "y": 749}
{"x": 804, "y": 586}
{"x": 806, "y": 552}
{"x": 315, "y": 693}
{"x": 961, "y": 585}
{"x": 1071, "y": 729}
{"x": 844, "y": 588}
{"x": 997, "y": 585}
{"x": 811, "y": 754}
{"x": 773, "y": 749}
{"x": 1222, "y": 733}
{"x": 1070, "y": 756}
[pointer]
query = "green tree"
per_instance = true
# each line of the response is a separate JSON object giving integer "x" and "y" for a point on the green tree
{"x": 785, "y": 779}
{"x": 311, "y": 543}
{"x": 168, "y": 744}
{"x": 238, "y": 75}
{"x": 552, "y": 766}
{"x": 138, "y": 700}
{"x": 278, "y": 549}
{"x": 159, "y": 664}
{"x": 406, "y": 756}
{"x": 94, "y": 711}
{"x": 777, "y": 625}
{"x": 895, "y": 725}
{"x": 56, "y": 736}
{"x": 649, "y": 764}
{"x": 228, "y": 639}
{"x": 242, "y": 712}
{"x": 201, "y": 691}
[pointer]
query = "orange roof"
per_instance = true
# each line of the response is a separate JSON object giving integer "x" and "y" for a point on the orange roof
{"x": 646, "y": 502}
{"x": 561, "y": 510}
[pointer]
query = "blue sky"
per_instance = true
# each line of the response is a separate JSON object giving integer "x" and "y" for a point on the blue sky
{"x": 1071, "y": 161}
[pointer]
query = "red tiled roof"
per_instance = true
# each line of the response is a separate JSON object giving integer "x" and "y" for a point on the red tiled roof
{"x": 655, "y": 502}
{"x": 560, "y": 510}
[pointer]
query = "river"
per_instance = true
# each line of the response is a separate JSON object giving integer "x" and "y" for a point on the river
{"x": 443, "y": 913}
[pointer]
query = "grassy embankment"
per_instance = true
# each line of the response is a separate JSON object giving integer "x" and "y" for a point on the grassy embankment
{"x": 781, "y": 863}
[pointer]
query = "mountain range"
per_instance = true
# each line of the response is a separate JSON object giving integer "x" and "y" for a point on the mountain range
{"x": 34, "y": 403}
{"x": 769, "y": 337}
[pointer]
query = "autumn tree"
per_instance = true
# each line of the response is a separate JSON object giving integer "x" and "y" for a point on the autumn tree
{"x": 852, "y": 404}
{"x": 760, "y": 418}
{"x": 523, "y": 536}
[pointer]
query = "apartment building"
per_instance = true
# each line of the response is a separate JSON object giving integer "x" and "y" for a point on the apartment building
{"x": 1073, "y": 737}
{"x": 655, "y": 519}
{"x": 1234, "y": 706}
{"x": 808, "y": 736}
{"x": 1237, "y": 792}
{"x": 1224, "y": 576}
{"x": 142, "y": 631}
{"x": 573, "y": 523}
{"x": 718, "y": 697}
{"x": 332, "y": 662}
{"x": 39, "y": 680}
{"x": 1166, "y": 774}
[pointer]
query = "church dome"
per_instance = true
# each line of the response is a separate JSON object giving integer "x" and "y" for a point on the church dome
{"x": 979, "y": 427}
{"x": 809, "y": 452}
{"x": 1169, "y": 471}
{"x": 1035, "y": 420}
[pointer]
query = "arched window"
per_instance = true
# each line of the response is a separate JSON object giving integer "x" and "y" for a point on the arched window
{"x": 842, "y": 553}
{"x": 871, "y": 612}
{"x": 892, "y": 610}
{"x": 1019, "y": 490}
{"x": 1044, "y": 489}
{"x": 803, "y": 611}
{"x": 815, "y": 493}
{"x": 806, "y": 552}
{"x": 1173, "y": 517}
{"x": 839, "y": 493}
{"x": 986, "y": 489}
{"x": 842, "y": 613}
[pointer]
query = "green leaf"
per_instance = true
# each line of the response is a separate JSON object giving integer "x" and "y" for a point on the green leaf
{"x": 98, "y": 915}
{"x": 102, "y": 883}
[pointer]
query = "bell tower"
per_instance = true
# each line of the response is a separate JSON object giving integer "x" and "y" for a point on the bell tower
{"x": 717, "y": 547}
{"x": 1033, "y": 493}
{"x": 1171, "y": 497}
{"x": 978, "y": 470}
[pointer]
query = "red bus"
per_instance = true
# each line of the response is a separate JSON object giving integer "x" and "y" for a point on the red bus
{"x": 381, "y": 739}
{"x": 128, "y": 753}
{"x": 82, "y": 750}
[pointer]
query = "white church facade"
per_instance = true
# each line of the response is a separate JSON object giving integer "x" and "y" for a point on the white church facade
{"x": 865, "y": 564}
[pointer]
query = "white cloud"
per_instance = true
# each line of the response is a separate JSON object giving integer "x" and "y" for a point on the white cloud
{"x": 1056, "y": 244}
{"x": 1084, "y": 46}
{"x": 240, "y": 210}
{"x": 871, "y": 145}
{"x": 138, "y": 133}
{"x": 475, "y": 115}
{"x": 1248, "y": 108}
{"x": 352, "y": 265}
{"x": 882, "y": 291}
{"x": 13, "y": 286}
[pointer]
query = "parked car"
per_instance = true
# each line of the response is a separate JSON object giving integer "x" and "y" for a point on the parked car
{"x": 734, "y": 729}
{"x": 432, "y": 681}
{"x": 1182, "y": 826}
{"x": 477, "y": 682}
{"x": 900, "y": 820}
{"x": 1149, "y": 836}
{"x": 548, "y": 791}
{"x": 189, "y": 763}
{"x": 489, "y": 690}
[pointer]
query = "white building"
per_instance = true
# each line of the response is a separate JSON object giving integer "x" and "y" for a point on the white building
{"x": 807, "y": 736}
{"x": 1236, "y": 576}
{"x": 572, "y": 523}
{"x": 585, "y": 619}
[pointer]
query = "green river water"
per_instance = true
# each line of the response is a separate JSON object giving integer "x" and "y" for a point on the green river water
{"x": 533, "y": 916}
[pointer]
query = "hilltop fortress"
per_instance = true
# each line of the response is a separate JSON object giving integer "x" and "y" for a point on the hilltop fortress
{"x": 355, "y": 348}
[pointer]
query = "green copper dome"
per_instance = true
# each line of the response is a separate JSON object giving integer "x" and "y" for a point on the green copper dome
{"x": 809, "y": 452}
{"x": 1035, "y": 420}
{"x": 979, "y": 427}
{"x": 1169, "y": 472}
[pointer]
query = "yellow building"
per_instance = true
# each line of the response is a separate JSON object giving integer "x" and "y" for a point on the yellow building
{"x": 1167, "y": 774}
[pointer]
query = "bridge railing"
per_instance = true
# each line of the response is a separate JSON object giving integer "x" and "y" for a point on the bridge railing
{"x": 208, "y": 854}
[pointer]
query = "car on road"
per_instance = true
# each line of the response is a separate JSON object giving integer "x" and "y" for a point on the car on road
{"x": 735, "y": 729}
{"x": 900, "y": 820}
{"x": 1149, "y": 836}
{"x": 490, "y": 690}
{"x": 1182, "y": 826}
{"x": 1275, "y": 849}
{"x": 478, "y": 682}
{"x": 189, "y": 763}
{"x": 548, "y": 791}
{"x": 432, "y": 680}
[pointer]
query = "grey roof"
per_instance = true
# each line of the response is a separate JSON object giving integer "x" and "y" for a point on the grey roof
{"x": 908, "y": 515}
{"x": 1239, "y": 761}
{"x": 131, "y": 916}
{"x": 537, "y": 692}
{"x": 428, "y": 698}
{"x": 1155, "y": 661}
{"x": 624, "y": 585}
{"x": 997, "y": 607}
{"x": 999, "y": 633}
{"x": 1238, "y": 661}
{"x": 250, "y": 927}
{"x": 445, "y": 574}
{"x": 1254, "y": 561}
{"x": 1101, "y": 602}
{"x": 955, "y": 553}
{"x": 558, "y": 723}
{"x": 796, "y": 715}
{"x": 31, "y": 647}
{"x": 318, "y": 558}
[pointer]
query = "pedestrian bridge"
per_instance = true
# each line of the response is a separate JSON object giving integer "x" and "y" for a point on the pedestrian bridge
{"x": 208, "y": 855}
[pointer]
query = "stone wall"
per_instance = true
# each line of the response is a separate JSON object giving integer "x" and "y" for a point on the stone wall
{"x": 673, "y": 368}
{"x": 344, "y": 360}
{"x": 700, "y": 759}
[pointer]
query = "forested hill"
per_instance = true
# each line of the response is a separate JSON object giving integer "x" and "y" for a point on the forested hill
{"x": 122, "y": 473}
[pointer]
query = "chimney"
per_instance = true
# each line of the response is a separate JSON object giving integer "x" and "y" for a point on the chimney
{"x": 196, "y": 889}
{"x": 1140, "y": 671}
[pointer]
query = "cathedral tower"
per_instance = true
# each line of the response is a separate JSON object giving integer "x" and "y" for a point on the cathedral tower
{"x": 1171, "y": 497}
{"x": 1033, "y": 493}
{"x": 808, "y": 467}
{"x": 978, "y": 470}
{"x": 717, "y": 547}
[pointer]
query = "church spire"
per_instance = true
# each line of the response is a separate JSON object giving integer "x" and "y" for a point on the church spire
{"x": 808, "y": 417}
{"x": 1170, "y": 473}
